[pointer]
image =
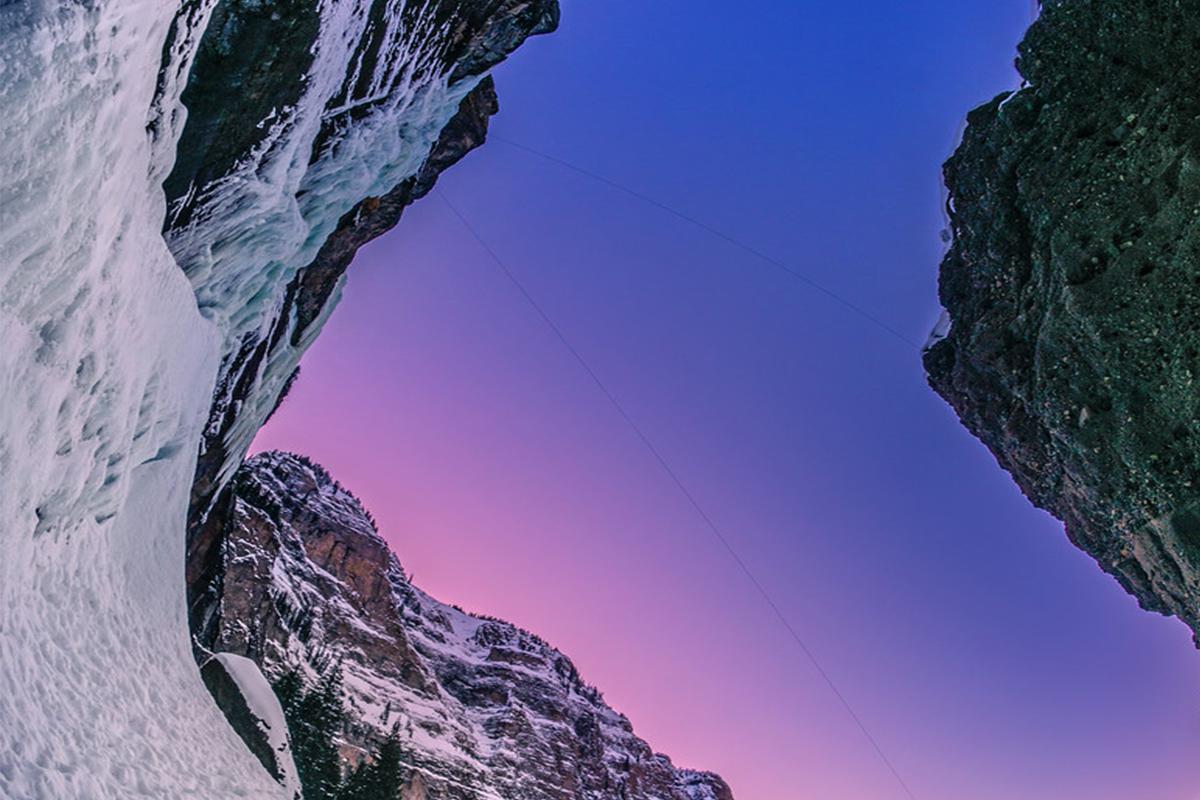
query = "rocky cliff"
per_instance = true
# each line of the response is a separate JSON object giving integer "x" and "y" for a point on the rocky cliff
{"x": 326, "y": 124}
{"x": 1071, "y": 344}
{"x": 182, "y": 185}
{"x": 482, "y": 708}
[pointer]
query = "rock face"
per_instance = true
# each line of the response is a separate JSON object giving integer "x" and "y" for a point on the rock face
{"x": 182, "y": 184}
{"x": 254, "y": 712}
{"x": 483, "y": 709}
{"x": 1072, "y": 287}
{"x": 412, "y": 82}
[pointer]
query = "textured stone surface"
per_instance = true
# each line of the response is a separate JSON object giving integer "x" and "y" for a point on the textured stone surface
{"x": 252, "y": 60}
{"x": 1073, "y": 286}
{"x": 483, "y": 708}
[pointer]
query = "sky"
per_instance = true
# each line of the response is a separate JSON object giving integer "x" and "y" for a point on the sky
{"x": 988, "y": 658}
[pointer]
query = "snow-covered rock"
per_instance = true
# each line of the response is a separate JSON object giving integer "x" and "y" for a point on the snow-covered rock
{"x": 482, "y": 708}
{"x": 311, "y": 125}
{"x": 250, "y": 705}
{"x": 116, "y": 341}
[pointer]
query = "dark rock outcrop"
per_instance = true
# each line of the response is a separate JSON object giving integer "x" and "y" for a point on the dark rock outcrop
{"x": 482, "y": 708}
{"x": 1072, "y": 286}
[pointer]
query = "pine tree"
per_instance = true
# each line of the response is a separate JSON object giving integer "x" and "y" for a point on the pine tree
{"x": 289, "y": 688}
{"x": 381, "y": 778}
{"x": 315, "y": 717}
{"x": 389, "y": 768}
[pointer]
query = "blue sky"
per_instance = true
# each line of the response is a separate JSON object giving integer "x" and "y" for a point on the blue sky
{"x": 989, "y": 658}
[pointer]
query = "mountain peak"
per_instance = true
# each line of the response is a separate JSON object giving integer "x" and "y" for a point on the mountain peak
{"x": 482, "y": 708}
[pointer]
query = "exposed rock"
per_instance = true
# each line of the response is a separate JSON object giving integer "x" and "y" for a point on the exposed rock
{"x": 415, "y": 790}
{"x": 251, "y": 63}
{"x": 483, "y": 709}
{"x": 1073, "y": 286}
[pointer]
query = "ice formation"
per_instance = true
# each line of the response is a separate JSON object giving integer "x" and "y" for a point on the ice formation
{"x": 106, "y": 371}
{"x": 248, "y": 232}
{"x": 111, "y": 352}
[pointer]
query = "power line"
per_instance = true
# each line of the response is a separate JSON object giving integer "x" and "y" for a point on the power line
{"x": 849, "y": 305}
{"x": 691, "y": 499}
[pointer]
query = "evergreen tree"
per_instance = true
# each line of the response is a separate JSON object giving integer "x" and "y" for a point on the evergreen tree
{"x": 381, "y": 778}
{"x": 315, "y": 717}
{"x": 289, "y": 688}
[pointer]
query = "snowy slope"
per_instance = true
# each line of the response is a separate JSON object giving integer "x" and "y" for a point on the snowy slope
{"x": 483, "y": 708}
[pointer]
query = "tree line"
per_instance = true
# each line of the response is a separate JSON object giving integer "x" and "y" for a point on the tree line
{"x": 315, "y": 716}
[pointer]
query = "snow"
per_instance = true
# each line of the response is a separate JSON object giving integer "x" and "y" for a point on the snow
{"x": 105, "y": 375}
{"x": 264, "y": 705}
{"x": 109, "y": 362}
{"x": 941, "y": 330}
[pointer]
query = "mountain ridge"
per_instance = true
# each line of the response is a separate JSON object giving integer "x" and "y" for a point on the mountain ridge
{"x": 482, "y": 707}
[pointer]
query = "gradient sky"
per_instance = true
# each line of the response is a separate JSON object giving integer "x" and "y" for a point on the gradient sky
{"x": 990, "y": 659}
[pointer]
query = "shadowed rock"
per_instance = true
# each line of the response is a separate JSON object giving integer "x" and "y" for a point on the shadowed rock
{"x": 1073, "y": 286}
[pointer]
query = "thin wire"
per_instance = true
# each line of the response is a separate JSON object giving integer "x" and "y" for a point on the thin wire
{"x": 704, "y": 226}
{"x": 695, "y": 504}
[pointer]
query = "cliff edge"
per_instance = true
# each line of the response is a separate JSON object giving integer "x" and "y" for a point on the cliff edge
{"x": 1071, "y": 340}
{"x": 478, "y": 707}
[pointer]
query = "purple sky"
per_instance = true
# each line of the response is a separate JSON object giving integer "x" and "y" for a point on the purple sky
{"x": 989, "y": 658}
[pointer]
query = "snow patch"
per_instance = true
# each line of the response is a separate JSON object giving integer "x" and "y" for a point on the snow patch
{"x": 941, "y": 330}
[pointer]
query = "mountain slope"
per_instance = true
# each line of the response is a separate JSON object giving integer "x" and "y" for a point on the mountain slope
{"x": 482, "y": 708}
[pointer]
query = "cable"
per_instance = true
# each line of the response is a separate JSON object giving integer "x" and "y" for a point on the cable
{"x": 704, "y": 226}
{"x": 666, "y": 467}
